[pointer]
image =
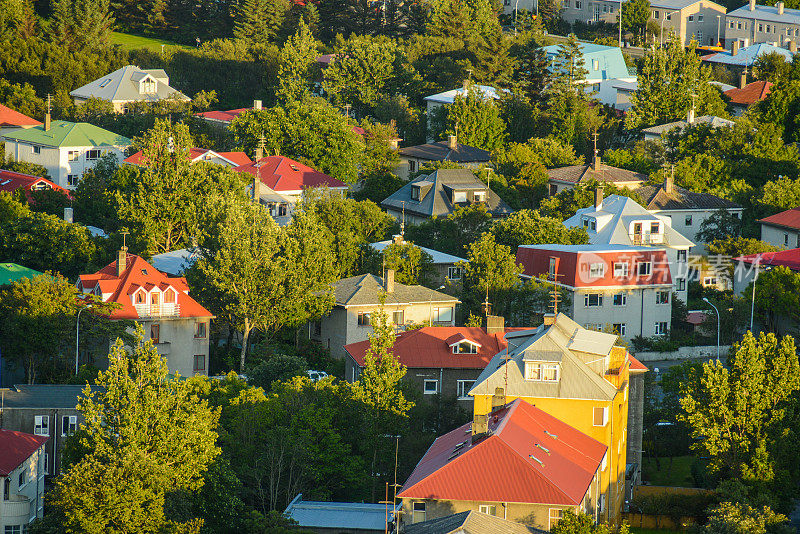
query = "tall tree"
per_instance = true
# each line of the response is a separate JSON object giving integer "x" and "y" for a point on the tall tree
{"x": 258, "y": 21}
{"x": 635, "y": 15}
{"x": 298, "y": 61}
{"x": 360, "y": 69}
{"x": 528, "y": 227}
{"x": 532, "y": 71}
{"x": 474, "y": 119}
{"x": 81, "y": 27}
{"x": 778, "y": 297}
{"x": 145, "y": 434}
{"x": 491, "y": 267}
{"x": 569, "y": 67}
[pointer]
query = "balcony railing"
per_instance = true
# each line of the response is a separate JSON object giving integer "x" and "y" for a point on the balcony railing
{"x": 17, "y": 509}
{"x": 158, "y": 310}
{"x": 649, "y": 239}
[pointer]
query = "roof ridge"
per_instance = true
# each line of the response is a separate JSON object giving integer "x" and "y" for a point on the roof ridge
{"x": 124, "y": 70}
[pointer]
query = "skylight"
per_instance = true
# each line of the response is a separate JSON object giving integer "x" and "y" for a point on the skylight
{"x": 105, "y": 82}
{"x": 6, "y": 182}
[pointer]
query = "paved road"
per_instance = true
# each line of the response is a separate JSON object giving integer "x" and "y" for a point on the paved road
{"x": 633, "y": 51}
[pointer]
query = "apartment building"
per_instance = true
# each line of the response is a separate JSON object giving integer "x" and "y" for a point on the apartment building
{"x": 753, "y": 24}
{"x": 22, "y": 478}
{"x": 698, "y": 20}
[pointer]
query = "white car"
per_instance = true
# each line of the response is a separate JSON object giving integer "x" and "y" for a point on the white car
{"x": 316, "y": 375}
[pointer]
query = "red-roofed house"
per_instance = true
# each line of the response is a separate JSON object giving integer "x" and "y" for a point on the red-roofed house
{"x": 11, "y": 181}
{"x": 782, "y": 229}
{"x": 176, "y": 323}
{"x": 746, "y": 266}
{"x": 225, "y": 118}
{"x": 627, "y": 287}
{"x": 516, "y": 462}
{"x": 229, "y": 159}
{"x": 22, "y": 470}
{"x": 14, "y": 119}
{"x": 742, "y": 98}
{"x": 440, "y": 359}
{"x": 288, "y": 177}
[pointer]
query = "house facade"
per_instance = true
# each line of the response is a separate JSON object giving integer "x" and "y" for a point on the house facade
{"x": 177, "y": 324}
{"x": 564, "y": 178}
{"x": 358, "y": 297}
{"x": 22, "y": 478}
{"x": 575, "y": 375}
{"x": 516, "y": 462}
{"x": 746, "y": 267}
{"x": 628, "y": 289}
{"x": 414, "y": 158}
{"x": 782, "y": 229}
{"x": 701, "y": 21}
{"x": 753, "y": 24}
{"x": 10, "y": 181}
{"x": 66, "y": 149}
{"x": 129, "y": 84}
{"x": 747, "y": 95}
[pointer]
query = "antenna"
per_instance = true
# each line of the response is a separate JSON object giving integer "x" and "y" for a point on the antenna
{"x": 124, "y": 234}
{"x": 555, "y": 296}
{"x": 595, "y": 143}
{"x": 403, "y": 220}
{"x": 347, "y": 110}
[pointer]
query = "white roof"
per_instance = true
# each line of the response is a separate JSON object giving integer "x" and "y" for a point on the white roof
{"x": 122, "y": 85}
{"x": 175, "y": 262}
{"x": 438, "y": 257}
{"x": 448, "y": 97}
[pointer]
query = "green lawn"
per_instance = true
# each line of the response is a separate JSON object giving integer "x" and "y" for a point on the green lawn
{"x": 133, "y": 42}
{"x": 679, "y": 474}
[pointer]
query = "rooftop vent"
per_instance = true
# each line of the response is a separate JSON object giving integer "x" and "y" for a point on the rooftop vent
{"x": 535, "y": 459}
{"x": 545, "y": 449}
{"x": 551, "y": 434}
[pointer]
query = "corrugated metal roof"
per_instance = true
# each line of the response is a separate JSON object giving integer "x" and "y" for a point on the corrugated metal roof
{"x": 786, "y": 219}
{"x": 122, "y": 85}
{"x": 62, "y": 396}
{"x": 343, "y": 515}
{"x": 15, "y": 448}
{"x": 364, "y": 290}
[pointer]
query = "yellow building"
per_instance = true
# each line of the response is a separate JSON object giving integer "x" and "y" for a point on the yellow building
{"x": 576, "y": 375}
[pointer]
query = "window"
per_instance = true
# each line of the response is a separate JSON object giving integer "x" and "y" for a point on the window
{"x": 710, "y": 281}
{"x": 596, "y": 270}
{"x": 699, "y": 35}
{"x": 691, "y": 18}
{"x": 398, "y": 317}
{"x": 199, "y": 362}
{"x": 430, "y": 386}
{"x": 22, "y": 479}
{"x": 148, "y": 86}
{"x": 699, "y": 18}
{"x": 552, "y": 267}
{"x": 169, "y": 297}
{"x": 601, "y": 502}
{"x": 620, "y": 299}
{"x": 418, "y": 512}
{"x": 35, "y": 149}
{"x": 414, "y": 189}
{"x": 619, "y": 328}
{"x": 662, "y": 297}
{"x": 92, "y": 154}
{"x": 13, "y": 529}
{"x": 620, "y": 269}
{"x": 682, "y": 256}
{"x": 463, "y": 387}
{"x": 644, "y": 268}
{"x": 681, "y": 284}
{"x": 769, "y": 29}
{"x": 317, "y": 328}
{"x": 600, "y": 416}
{"x": 465, "y": 347}
{"x": 553, "y": 190}
{"x": 656, "y": 15}
{"x": 592, "y": 300}
{"x": 669, "y": 16}
{"x": 41, "y": 425}
{"x": 479, "y": 196}
{"x": 593, "y": 326}
{"x": 543, "y": 372}
{"x": 69, "y": 424}
{"x": 140, "y": 297}
{"x": 363, "y": 318}
{"x": 786, "y": 239}
{"x": 454, "y": 273}
{"x": 72, "y": 155}
{"x": 654, "y": 228}
{"x": 596, "y": 64}
{"x": 761, "y": 27}
{"x": 688, "y": 220}
{"x": 6, "y": 489}
{"x": 72, "y": 180}
{"x": 555, "y": 516}
{"x": 739, "y": 25}
{"x": 578, "y": 4}
{"x": 46, "y": 464}
{"x": 732, "y": 24}
{"x": 661, "y": 328}
{"x": 549, "y": 372}
{"x": 443, "y": 315}
{"x": 200, "y": 330}
{"x": 459, "y": 196}
{"x": 489, "y": 509}
{"x": 155, "y": 333}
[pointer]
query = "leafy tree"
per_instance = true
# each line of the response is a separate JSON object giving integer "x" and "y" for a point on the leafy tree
{"x": 635, "y": 15}
{"x": 549, "y": 152}
{"x": 258, "y": 21}
{"x": 778, "y": 195}
{"x": 279, "y": 367}
{"x": 721, "y": 224}
{"x": 474, "y": 119}
{"x": 737, "y": 518}
{"x": 359, "y": 71}
{"x": 454, "y": 233}
{"x": 528, "y": 227}
{"x": 532, "y": 71}
{"x": 778, "y": 296}
{"x": 411, "y": 264}
{"x": 584, "y": 524}
{"x": 298, "y": 61}
{"x": 379, "y": 157}
{"x": 571, "y": 118}
{"x": 491, "y": 266}
{"x": 21, "y": 97}
{"x": 462, "y": 20}
{"x": 738, "y": 246}
{"x": 146, "y": 435}
{"x": 771, "y": 67}
{"x": 567, "y": 202}
{"x": 741, "y": 412}
{"x": 645, "y": 157}
{"x": 80, "y": 27}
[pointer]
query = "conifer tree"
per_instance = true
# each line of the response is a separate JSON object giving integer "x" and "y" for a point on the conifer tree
{"x": 258, "y": 21}
{"x": 297, "y": 63}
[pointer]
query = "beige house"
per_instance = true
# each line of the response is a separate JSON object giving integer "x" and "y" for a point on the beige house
{"x": 127, "y": 85}
{"x": 358, "y": 297}
{"x": 564, "y": 178}
{"x": 753, "y": 24}
{"x": 22, "y": 470}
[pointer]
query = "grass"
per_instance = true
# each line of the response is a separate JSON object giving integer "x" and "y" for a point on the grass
{"x": 678, "y": 472}
{"x": 134, "y": 42}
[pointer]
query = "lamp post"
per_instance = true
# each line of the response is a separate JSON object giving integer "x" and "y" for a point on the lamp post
{"x": 516, "y": 6}
{"x": 718, "y": 16}
{"x": 77, "y": 336}
{"x": 430, "y": 306}
{"x": 716, "y": 310}
{"x": 620, "y": 24}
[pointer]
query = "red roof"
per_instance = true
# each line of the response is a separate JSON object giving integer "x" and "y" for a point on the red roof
{"x": 501, "y": 466}
{"x": 636, "y": 365}
{"x": 574, "y": 266}
{"x": 787, "y": 219}
{"x": 234, "y": 159}
{"x": 786, "y": 258}
{"x": 9, "y": 117}
{"x": 16, "y": 447}
{"x": 429, "y": 347}
{"x": 222, "y": 116}
{"x": 285, "y": 175}
{"x": 139, "y": 276}
{"x": 11, "y": 181}
{"x": 696, "y": 318}
{"x": 750, "y": 93}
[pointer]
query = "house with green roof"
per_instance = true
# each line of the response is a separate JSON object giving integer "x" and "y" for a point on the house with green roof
{"x": 11, "y": 272}
{"x": 66, "y": 149}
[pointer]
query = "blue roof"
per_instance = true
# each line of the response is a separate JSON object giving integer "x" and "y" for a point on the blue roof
{"x": 343, "y": 515}
{"x": 767, "y": 14}
{"x": 610, "y": 63}
{"x": 747, "y": 55}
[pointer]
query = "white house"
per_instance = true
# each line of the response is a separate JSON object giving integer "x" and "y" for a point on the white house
{"x": 22, "y": 471}
{"x": 129, "y": 84}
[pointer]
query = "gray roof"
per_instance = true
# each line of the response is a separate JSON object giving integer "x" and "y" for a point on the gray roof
{"x": 711, "y": 120}
{"x": 122, "y": 86}
{"x": 175, "y": 262}
{"x": 673, "y": 4}
{"x": 564, "y": 341}
{"x": 439, "y": 258}
{"x": 435, "y": 199}
{"x": 603, "y": 173}
{"x": 343, "y": 515}
{"x": 365, "y": 290}
{"x": 767, "y": 14}
{"x": 60, "y": 396}
{"x": 441, "y": 151}
{"x": 657, "y": 199}
{"x": 470, "y": 522}
{"x": 613, "y": 219}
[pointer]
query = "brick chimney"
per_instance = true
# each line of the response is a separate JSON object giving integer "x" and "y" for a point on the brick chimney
{"x": 743, "y": 79}
{"x": 690, "y": 116}
{"x": 452, "y": 142}
{"x": 780, "y": 7}
{"x": 793, "y": 46}
{"x": 499, "y": 398}
{"x": 256, "y": 188}
{"x": 389, "y": 281}
{"x": 598, "y": 197}
{"x": 752, "y": 5}
{"x": 669, "y": 182}
{"x": 122, "y": 259}
{"x": 549, "y": 319}
{"x": 495, "y": 324}
{"x": 596, "y": 160}
{"x": 735, "y": 44}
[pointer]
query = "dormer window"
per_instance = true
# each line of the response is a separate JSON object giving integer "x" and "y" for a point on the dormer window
{"x": 590, "y": 223}
{"x": 459, "y": 196}
{"x": 465, "y": 347}
{"x": 542, "y": 371}
{"x": 148, "y": 86}
{"x": 655, "y": 228}
{"x": 140, "y": 297}
{"x": 480, "y": 196}
{"x": 169, "y": 296}
{"x": 415, "y": 192}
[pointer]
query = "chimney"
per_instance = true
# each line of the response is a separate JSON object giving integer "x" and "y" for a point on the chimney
{"x": 47, "y": 115}
{"x": 495, "y": 324}
{"x": 549, "y": 319}
{"x": 394, "y": 144}
{"x": 68, "y": 215}
{"x": 598, "y": 197}
{"x": 122, "y": 257}
{"x": 256, "y": 188}
{"x": 397, "y": 239}
{"x": 452, "y": 142}
{"x": 466, "y": 85}
{"x": 792, "y": 47}
{"x": 690, "y": 116}
{"x": 256, "y": 104}
{"x": 498, "y": 399}
{"x": 595, "y": 160}
{"x": 779, "y": 5}
{"x": 752, "y": 5}
{"x": 743, "y": 79}
{"x": 389, "y": 281}
{"x": 735, "y": 45}
{"x": 669, "y": 182}
{"x": 480, "y": 425}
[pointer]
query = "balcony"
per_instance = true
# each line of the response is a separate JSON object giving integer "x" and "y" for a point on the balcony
{"x": 157, "y": 310}
{"x": 648, "y": 239}
{"x": 17, "y": 511}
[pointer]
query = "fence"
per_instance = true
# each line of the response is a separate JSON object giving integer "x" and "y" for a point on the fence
{"x": 684, "y": 353}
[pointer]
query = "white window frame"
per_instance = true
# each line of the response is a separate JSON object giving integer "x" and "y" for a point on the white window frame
{"x": 462, "y": 391}
{"x": 662, "y": 297}
{"x": 535, "y": 371}
{"x": 93, "y": 154}
{"x": 623, "y": 299}
{"x": 454, "y": 273}
{"x": 681, "y": 284}
{"x": 587, "y": 300}
{"x": 709, "y": 280}
{"x": 41, "y": 425}
{"x": 597, "y": 270}
{"x": 73, "y": 180}
{"x": 437, "y": 314}
{"x": 73, "y": 155}
{"x": 648, "y": 268}
{"x": 472, "y": 348}
{"x": 419, "y": 512}
{"x": 479, "y": 196}
{"x": 71, "y": 427}
{"x": 661, "y": 328}
{"x": 488, "y": 509}
{"x": 620, "y": 328}
{"x": 36, "y": 149}
{"x": 434, "y": 381}
{"x": 621, "y": 269}
{"x": 552, "y": 519}
{"x": 687, "y": 220}
{"x": 361, "y": 317}
{"x": 459, "y": 197}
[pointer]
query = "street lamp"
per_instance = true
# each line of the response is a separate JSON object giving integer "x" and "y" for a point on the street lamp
{"x": 620, "y": 24}
{"x": 77, "y": 335}
{"x": 716, "y": 310}
{"x": 516, "y": 7}
{"x": 430, "y": 305}
{"x": 718, "y": 16}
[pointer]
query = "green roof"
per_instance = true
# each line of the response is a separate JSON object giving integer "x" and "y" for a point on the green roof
{"x": 11, "y": 272}
{"x": 64, "y": 133}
